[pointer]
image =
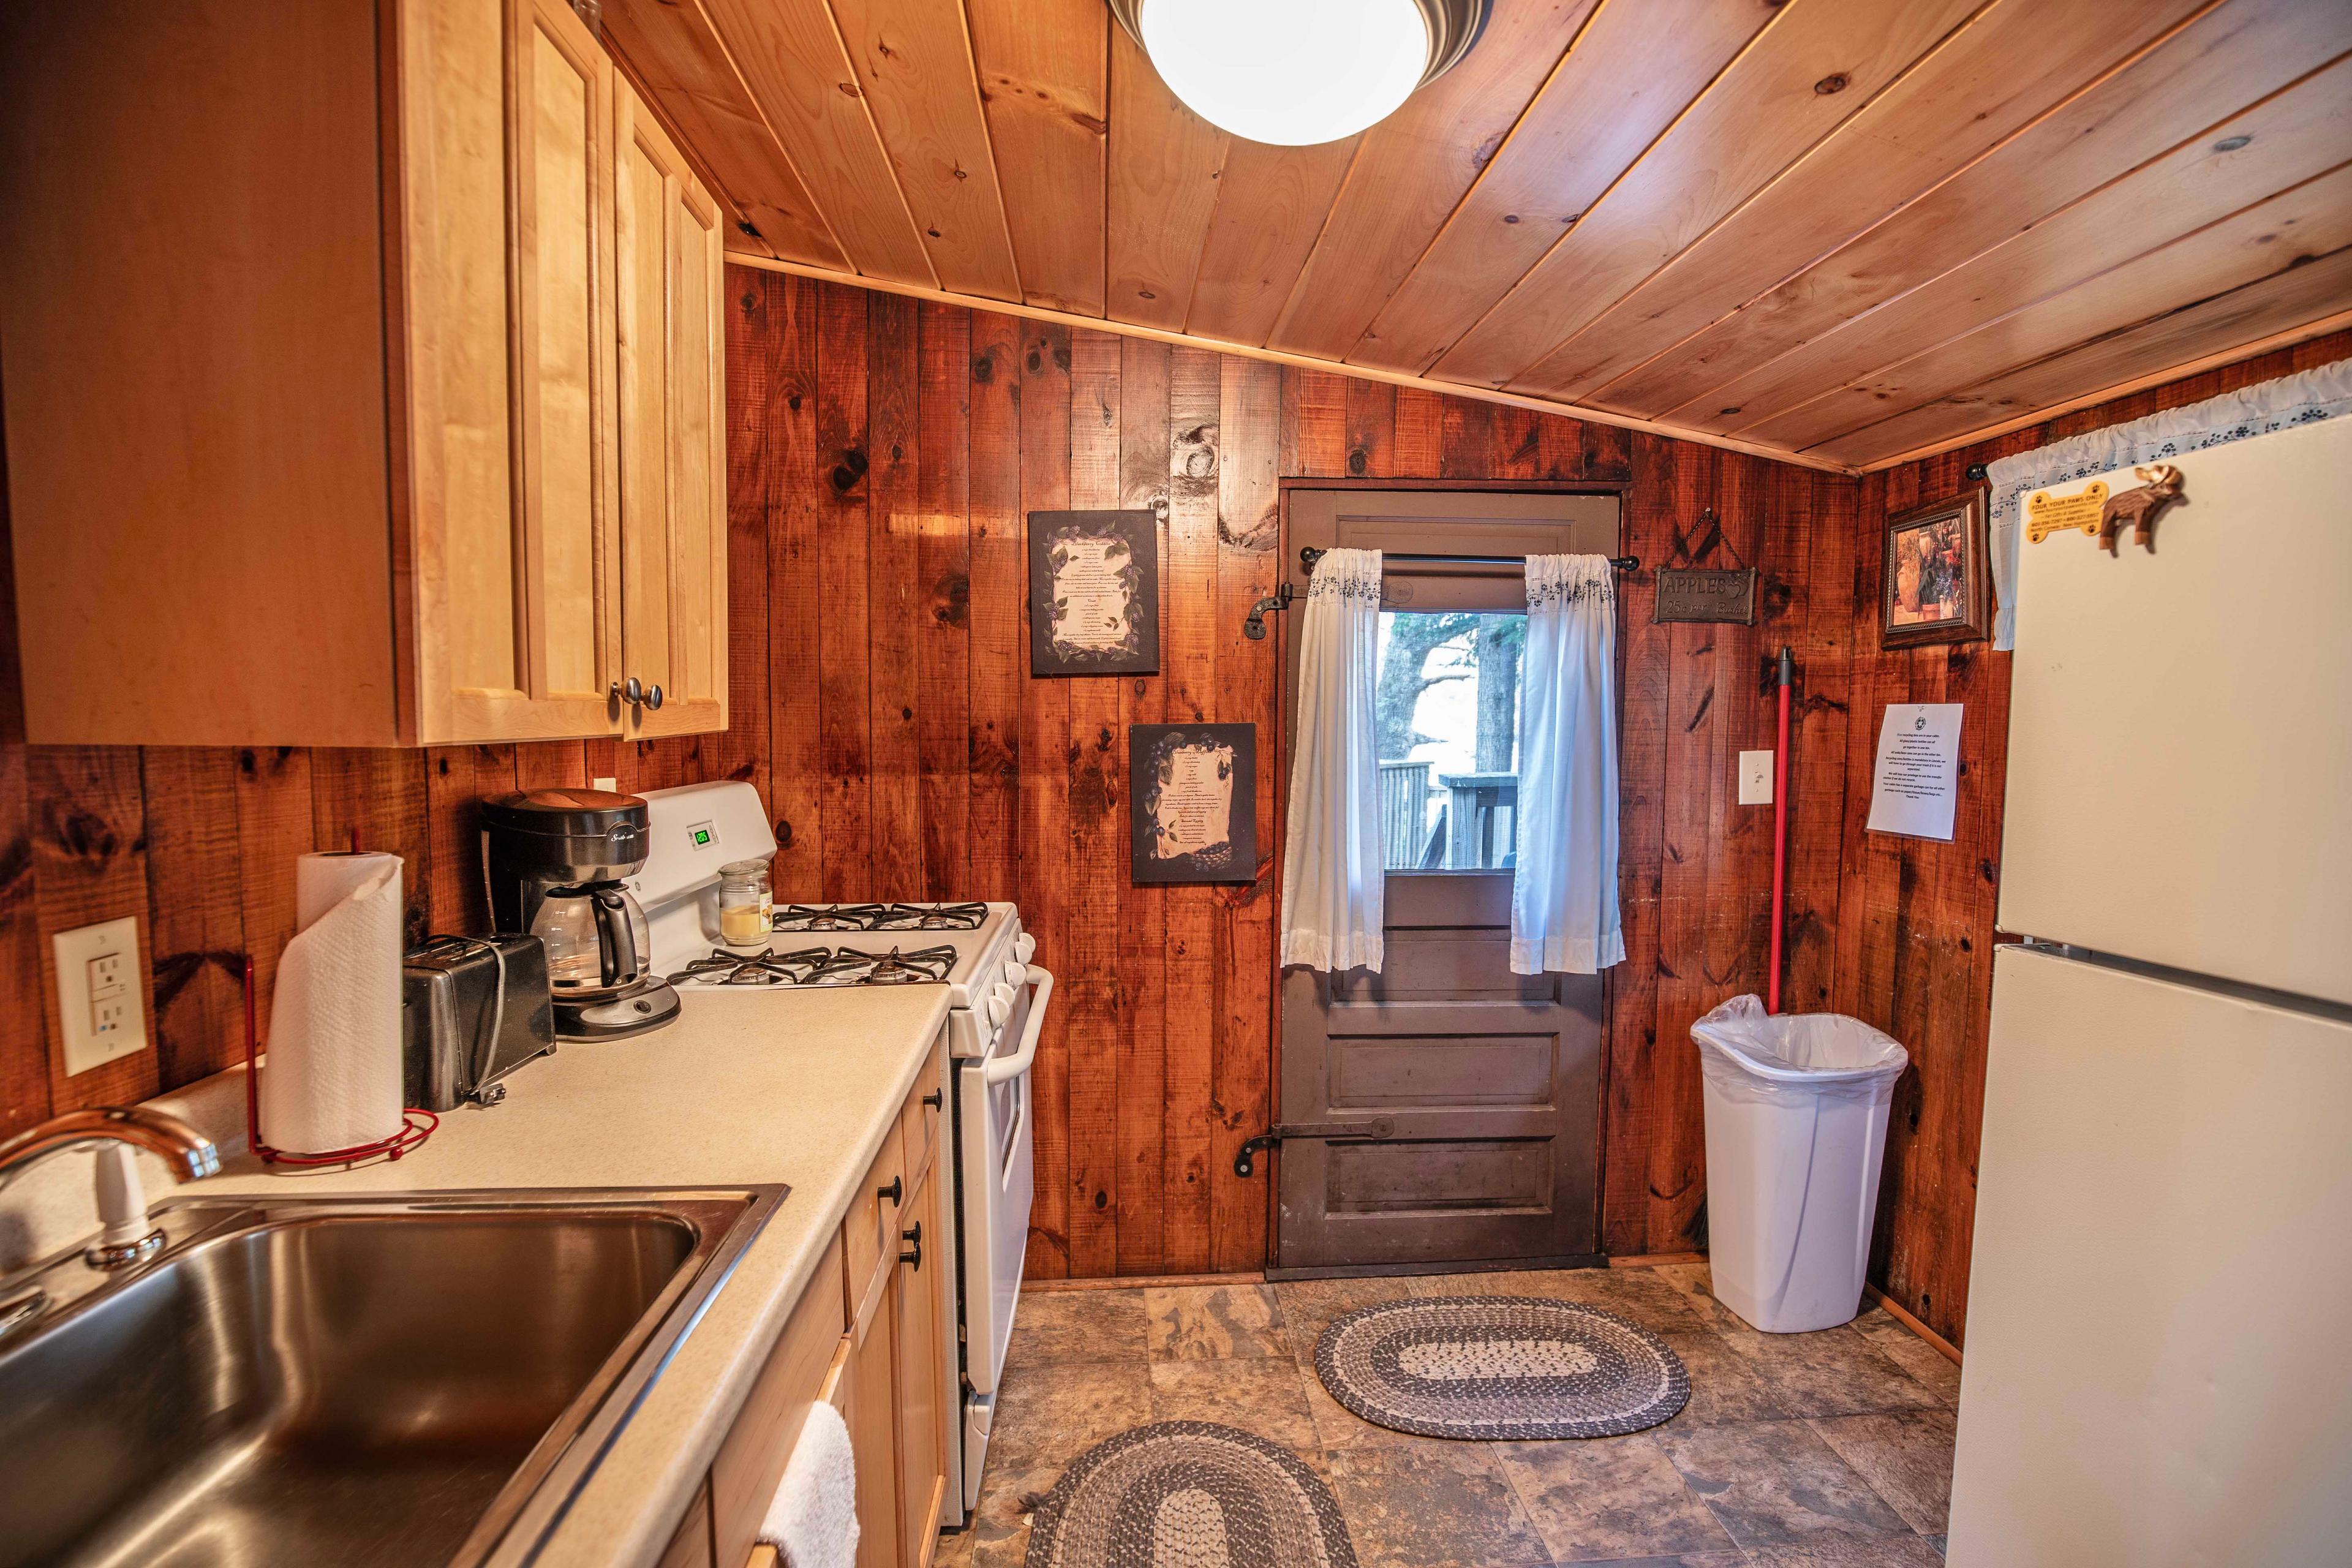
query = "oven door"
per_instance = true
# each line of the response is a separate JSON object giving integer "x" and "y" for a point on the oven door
{"x": 998, "y": 1180}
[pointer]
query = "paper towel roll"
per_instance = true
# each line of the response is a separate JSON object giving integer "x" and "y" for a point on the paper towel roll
{"x": 332, "y": 1080}
{"x": 325, "y": 879}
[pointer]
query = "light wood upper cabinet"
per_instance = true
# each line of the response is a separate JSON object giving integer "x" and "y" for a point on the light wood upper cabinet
{"x": 362, "y": 377}
{"x": 673, "y": 465}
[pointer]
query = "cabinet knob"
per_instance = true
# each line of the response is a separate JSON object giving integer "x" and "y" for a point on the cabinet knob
{"x": 937, "y": 1099}
{"x": 894, "y": 1192}
{"x": 631, "y": 692}
{"x": 916, "y": 1256}
{"x": 654, "y": 697}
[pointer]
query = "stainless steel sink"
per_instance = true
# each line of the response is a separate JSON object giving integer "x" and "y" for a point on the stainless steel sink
{"x": 347, "y": 1380}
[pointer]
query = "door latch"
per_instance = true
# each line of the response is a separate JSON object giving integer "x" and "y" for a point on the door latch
{"x": 1378, "y": 1127}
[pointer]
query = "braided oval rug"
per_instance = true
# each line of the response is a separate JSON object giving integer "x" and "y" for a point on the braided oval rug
{"x": 1499, "y": 1367}
{"x": 1189, "y": 1494}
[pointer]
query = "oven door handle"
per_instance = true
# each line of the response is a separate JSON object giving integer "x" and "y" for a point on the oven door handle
{"x": 1005, "y": 1068}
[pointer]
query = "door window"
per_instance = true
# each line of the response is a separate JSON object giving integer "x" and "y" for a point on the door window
{"x": 1446, "y": 710}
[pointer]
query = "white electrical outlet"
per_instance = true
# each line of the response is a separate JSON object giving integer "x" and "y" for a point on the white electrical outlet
{"x": 99, "y": 999}
{"x": 609, "y": 787}
{"x": 1755, "y": 778}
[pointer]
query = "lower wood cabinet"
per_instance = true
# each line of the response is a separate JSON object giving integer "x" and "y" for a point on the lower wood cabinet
{"x": 871, "y": 1336}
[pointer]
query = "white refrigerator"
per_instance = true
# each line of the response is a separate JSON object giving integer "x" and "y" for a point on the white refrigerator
{"x": 2158, "y": 1366}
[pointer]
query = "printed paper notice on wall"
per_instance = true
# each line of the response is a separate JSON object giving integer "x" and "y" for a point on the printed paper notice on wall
{"x": 1917, "y": 781}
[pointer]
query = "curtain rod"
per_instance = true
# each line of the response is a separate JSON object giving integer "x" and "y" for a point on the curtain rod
{"x": 1309, "y": 555}
{"x": 1253, "y": 627}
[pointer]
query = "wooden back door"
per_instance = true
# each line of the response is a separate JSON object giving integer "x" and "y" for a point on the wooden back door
{"x": 1444, "y": 1111}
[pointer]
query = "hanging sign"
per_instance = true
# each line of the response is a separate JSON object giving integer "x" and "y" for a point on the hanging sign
{"x": 1688, "y": 594}
{"x": 2046, "y": 514}
{"x": 1917, "y": 784}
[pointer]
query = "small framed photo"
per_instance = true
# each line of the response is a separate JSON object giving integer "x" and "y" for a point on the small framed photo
{"x": 1094, "y": 592}
{"x": 1938, "y": 583}
{"x": 1193, "y": 794}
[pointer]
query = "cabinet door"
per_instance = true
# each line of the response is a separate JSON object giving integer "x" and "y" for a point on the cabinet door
{"x": 517, "y": 637}
{"x": 922, "y": 1402}
{"x": 874, "y": 1434}
{"x": 672, "y": 463}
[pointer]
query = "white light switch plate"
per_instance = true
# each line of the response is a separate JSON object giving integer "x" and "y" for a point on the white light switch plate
{"x": 1755, "y": 778}
{"x": 99, "y": 1000}
{"x": 607, "y": 786}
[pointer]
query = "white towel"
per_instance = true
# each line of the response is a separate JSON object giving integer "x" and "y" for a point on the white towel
{"x": 813, "y": 1519}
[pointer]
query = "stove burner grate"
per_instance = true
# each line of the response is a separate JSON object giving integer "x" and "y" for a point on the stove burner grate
{"x": 827, "y": 917}
{"x": 880, "y": 917}
{"x": 821, "y": 966}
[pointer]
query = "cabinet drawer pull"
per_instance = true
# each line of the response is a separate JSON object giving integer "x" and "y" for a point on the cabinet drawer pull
{"x": 896, "y": 1192}
{"x": 916, "y": 1256}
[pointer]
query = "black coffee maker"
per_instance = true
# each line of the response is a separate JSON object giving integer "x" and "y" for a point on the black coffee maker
{"x": 555, "y": 859}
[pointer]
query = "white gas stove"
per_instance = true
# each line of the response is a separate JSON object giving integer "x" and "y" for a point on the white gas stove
{"x": 996, "y": 1007}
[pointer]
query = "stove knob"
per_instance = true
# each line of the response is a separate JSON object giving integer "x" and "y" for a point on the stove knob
{"x": 1015, "y": 973}
{"x": 999, "y": 1009}
{"x": 1024, "y": 947}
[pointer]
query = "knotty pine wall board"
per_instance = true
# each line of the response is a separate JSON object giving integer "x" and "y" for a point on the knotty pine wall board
{"x": 903, "y": 748}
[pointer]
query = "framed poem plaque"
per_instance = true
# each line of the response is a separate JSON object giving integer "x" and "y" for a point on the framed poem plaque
{"x": 1094, "y": 592}
{"x": 1192, "y": 795}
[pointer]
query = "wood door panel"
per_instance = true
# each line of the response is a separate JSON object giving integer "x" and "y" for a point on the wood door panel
{"x": 562, "y": 106}
{"x": 1378, "y": 1072}
{"x": 671, "y": 381}
{"x": 1449, "y": 965}
{"x": 1489, "y": 1176}
{"x": 642, "y": 258}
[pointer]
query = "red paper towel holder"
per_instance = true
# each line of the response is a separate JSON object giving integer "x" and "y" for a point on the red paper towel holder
{"x": 417, "y": 1124}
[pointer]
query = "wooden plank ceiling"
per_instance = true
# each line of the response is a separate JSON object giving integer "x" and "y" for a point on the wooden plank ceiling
{"x": 1848, "y": 231}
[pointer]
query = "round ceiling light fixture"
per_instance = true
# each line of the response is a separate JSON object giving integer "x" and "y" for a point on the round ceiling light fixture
{"x": 1298, "y": 72}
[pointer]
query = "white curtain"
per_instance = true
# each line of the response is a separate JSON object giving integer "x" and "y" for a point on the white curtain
{"x": 1564, "y": 887}
{"x": 1333, "y": 875}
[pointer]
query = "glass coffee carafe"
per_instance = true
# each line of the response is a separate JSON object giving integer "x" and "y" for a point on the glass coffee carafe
{"x": 595, "y": 935}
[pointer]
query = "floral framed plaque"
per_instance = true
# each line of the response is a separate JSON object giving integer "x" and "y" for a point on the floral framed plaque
{"x": 1937, "y": 585}
{"x": 1094, "y": 592}
{"x": 1193, "y": 794}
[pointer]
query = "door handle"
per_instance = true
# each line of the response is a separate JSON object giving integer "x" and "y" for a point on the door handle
{"x": 1372, "y": 1131}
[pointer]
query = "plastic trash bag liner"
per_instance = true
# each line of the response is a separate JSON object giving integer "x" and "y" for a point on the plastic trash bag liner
{"x": 1758, "y": 1058}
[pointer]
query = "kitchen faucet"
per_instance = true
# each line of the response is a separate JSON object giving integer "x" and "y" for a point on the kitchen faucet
{"x": 128, "y": 1236}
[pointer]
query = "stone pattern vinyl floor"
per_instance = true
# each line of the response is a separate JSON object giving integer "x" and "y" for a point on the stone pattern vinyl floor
{"x": 1826, "y": 1451}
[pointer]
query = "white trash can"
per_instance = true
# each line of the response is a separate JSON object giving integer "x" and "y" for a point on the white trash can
{"x": 1796, "y": 1130}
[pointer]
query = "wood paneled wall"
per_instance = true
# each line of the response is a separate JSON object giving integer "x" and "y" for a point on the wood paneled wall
{"x": 882, "y": 455}
{"x": 885, "y": 453}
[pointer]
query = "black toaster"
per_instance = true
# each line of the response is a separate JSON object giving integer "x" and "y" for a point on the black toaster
{"x": 473, "y": 1009}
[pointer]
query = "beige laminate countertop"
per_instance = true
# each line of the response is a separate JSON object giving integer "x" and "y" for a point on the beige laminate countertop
{"x": 798, "y": 1088}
